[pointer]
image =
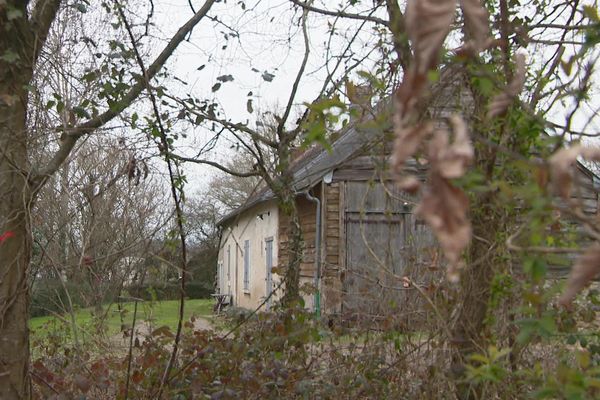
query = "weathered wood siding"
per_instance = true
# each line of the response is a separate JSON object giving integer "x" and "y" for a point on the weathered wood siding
{"x": 333, "y": 250}
{"x": 384, "y": 243}
{"x": 585, "y": 196}
{"x": 307, "y": 214}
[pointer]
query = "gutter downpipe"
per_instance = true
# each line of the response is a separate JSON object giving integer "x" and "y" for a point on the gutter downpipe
{"x": 219, "y": 270}
{"x": 317, "y": 296}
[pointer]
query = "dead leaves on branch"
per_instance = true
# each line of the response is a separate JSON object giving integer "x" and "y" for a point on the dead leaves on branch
{"x": 584, "y": 270}
{"x": 561, "y": 166}
{"x": 477, "y": 23}
{"x": 428, "y": 22}
{"x": 450, "y": 160}
{"x": 500, "y": 103}
{"x": 408, "y": 141}
{"x": 443, "y": 206}
{"x": 136, "y": 170}
{"x": 587, "y": 265}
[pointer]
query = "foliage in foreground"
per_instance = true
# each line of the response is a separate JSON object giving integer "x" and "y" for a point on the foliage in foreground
{"x": 289, "y": 354}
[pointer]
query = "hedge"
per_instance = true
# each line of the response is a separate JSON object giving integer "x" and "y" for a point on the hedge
{"x": 51, "y": 298}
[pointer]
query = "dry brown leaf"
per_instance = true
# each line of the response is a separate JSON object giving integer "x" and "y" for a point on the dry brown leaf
{"x": 500, "y": 103}
{"x": 585, "y": 269}
{"x": 409, "y": 184}
{"x": 408, "y": 94}
{"x": 560, "y": 169}
{"x": 477, "y": 23}
{"x": 408, "y": 140}
{"x": 561, "y": 164}
{"x": 427, "y": 24}
{"x": 591, "y": 153}
{"x": 452, "y": 160}
{"x": 444, "y": 208}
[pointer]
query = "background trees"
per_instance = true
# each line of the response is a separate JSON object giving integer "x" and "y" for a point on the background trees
{"x": 22, "y": 53}
{"x": 94, "y": 226}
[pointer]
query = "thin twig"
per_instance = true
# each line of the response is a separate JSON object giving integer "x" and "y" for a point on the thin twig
{"x": 340, "y": 14}
{"x": 176, "y": 199}
{"x": 129, "y": 355}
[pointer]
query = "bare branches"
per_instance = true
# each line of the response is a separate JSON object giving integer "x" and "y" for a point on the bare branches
{"x": 174, "y": 176}
{"x": 72, "y": 134}
{"x": 215, "y": 165}
{"x": 340, "y": 14}
{"x": 288, "y": 108}
{"x": 226, "y": 124}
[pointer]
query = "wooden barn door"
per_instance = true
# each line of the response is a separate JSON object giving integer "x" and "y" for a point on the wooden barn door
{"x": 384, "y": 242}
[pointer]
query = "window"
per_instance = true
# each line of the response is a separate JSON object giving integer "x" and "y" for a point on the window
{"x": 246, "y": 265}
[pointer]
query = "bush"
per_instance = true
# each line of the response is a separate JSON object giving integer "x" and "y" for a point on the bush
{"x": 51, "y": 297}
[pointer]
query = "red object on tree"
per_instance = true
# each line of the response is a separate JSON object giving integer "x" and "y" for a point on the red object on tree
{"x": 6, "y": 235}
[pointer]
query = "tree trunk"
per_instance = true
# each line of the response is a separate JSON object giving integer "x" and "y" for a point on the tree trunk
{"x": 15, "y": 241}
{"x": 295, "y": 249}
{"x": 470, "y": 333}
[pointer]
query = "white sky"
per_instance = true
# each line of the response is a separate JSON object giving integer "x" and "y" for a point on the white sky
{"x": 263, "y": 45}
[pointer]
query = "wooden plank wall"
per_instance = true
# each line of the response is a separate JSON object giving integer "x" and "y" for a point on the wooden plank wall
{"x": 331, "y": 269}
{"x": 585, "y": 195}
{"x": 307, "y": 214}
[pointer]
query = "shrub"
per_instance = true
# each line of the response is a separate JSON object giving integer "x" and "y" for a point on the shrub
{"x": 51, "y": 297}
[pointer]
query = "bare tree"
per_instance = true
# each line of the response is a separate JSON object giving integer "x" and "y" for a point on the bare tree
{"x": 95, "y": 223}
{"x": 26, "y": 28}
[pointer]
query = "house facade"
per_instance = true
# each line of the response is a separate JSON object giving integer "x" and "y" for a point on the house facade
{"x": 247, "y": 255}
{"x": 360, "y": 234}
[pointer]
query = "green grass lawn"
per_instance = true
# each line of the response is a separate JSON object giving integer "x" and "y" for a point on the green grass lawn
{"x": 160, "y": 313}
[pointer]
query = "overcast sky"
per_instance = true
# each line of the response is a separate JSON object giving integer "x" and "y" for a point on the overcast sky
{"x": 261, "y": 41}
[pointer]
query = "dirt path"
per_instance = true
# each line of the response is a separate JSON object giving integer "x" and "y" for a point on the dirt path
{"x": 145, "y": 328}
{"x": 202, "y": 324}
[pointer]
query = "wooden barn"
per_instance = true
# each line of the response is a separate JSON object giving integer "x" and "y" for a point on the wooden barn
{"x": 361, "y": 237}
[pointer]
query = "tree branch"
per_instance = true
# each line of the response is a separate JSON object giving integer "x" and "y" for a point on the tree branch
{"x": 398, "y": 28}
{"x": 226, "y": 124}
{"x": 340, "y": 14}
{"x": 72, "y": 134}
{"x": 42, "y": 16}
{"x": 288, "y": 108}
{"x": 216, "y": 165}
